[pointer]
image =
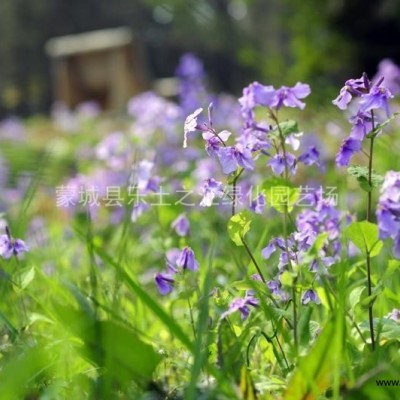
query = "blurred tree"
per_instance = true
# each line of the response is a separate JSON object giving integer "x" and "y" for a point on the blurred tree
{"x": 274, "y": 41}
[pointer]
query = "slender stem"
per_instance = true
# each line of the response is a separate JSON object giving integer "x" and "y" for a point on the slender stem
{"x": 253, "y": 259}
{"x": 234, "y": 183}
{"x": 191, "y": 318}
{"x": 369, "y": 219}
{"x": 285, "y": 233}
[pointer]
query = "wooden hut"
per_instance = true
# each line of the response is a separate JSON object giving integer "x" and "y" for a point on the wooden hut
{"x": 106, "y": 66}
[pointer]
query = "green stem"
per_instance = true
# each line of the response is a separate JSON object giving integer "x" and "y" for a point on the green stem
{"x": 369, "y": 219}
{"x": 285, "y": 233}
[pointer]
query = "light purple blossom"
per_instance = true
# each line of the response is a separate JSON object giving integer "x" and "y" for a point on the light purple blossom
{"x": 187, "y": 260}
{"x": 351, "y": 87}
{"x": 241, "y": 305}
{"x": 258, "y": 204}
{"x": 388, "y": 210}
{"x": 310, "y": 157}
{"x": 211, "y": 189}
{"x": 309, "y": 296}
{"x": 391, "y": 72}
{"x": 394, "y": 315}
{"x": 10, "y": 246}
{"x": 261, "y": 95}
{"x": 347, "y": 149}
{"x": 164, "y": 282}
{"x": 362, "y": 125}
{"x": 181, "y": 225}
{"x": 277, "y": 163}
{"x": 375, "y": 99}
{"x": 289, "y": 96}
{"x": 231, "y": 157}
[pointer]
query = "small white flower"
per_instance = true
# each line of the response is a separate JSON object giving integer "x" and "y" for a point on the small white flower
{"x": 190, "y": 125}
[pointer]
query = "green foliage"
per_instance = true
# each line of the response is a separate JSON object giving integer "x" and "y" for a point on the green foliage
{"x": 238, "y": 226}
{"x": 361, "y": 173}
{"x": 280, "y": 194}
{"x": 365, "y": 235}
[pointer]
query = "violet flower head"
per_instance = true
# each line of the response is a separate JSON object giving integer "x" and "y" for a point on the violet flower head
{"x": 375, "y": 99}
{"x": 277, "y": 163}
{"x": 187, "y": 260}
{"x": 230, "y": 157}
{"x": 10, "y": 246}
{"x": 309, "y": 296}
{"x": 351, "y": 87}
{"x": 391, "y": 72}
{"x": 394, "y": 315}
{"x": 289, "y": 96}
{"x": 347, "y": 149}
{"x": 241, "y": 305}
{"x": 261, "y": 95}
{"x": 362, "y": 125}
{"x": 258, "y": 204}
{"x": 211, "y": 189}
{"x": 310, "y": 157}
{"x": 164, "y": 283}
{"x": 181, "y": 225}
{"x": 388, "y": 210}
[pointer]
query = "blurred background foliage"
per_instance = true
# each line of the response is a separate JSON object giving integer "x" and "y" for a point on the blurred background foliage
{"x": 273, "y": 41}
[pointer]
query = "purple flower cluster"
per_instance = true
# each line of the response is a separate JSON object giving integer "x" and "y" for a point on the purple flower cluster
{"x": 370, "y": 97}
{"x": 190, "y": 74}
{"x": 388, "y": 210}
{"x": 322, "y": 218}
{"x": 230, "y": 157}
{"x": 178, "y": 261}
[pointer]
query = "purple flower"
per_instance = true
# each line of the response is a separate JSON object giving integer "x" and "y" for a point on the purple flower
{"x": 310, "y": 295}
{"x": 310, "y": 157}
{"x": 10, "y": 246}
{"x": 191, "y": 125}
{"x": 138, "y": 209}
{"x": 394, "y": 315}
{"x": 362, "y": 125}
{"x": 350, "y": 88}
{"x": 227, "y": 159}
{"x": 187, "y": 260}
{"x": 347, "y": 149}
{"x": 391, "y": 72}
{"x": 232, "y": 156}
{"x": 181, "y": 225}
{"x": 262, "y": 95}
{"x": 241, "y": 305}
{"x": 388, "y": 210}
{"x": 211, "y": 189}
{"x": 277, "y": 163}
{"x": 258, "y": 205}
{"x": 289, "y": 96}
{"x": 214, "y": 141}
{"x": 376, "y": 98}
{"x": 164, "y": 283}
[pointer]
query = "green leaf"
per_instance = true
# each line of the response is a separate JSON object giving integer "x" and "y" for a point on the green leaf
{"x": 25, "y": 277}
{"x": 110, "y": 346}
{"x": 238, "y": 226}
{"x": 281, "y": 194}
{"x": 379, "y": 127}
{"x": 230, "y": 358}
{"x": 365, "y": 235}
{"x": 288, "y": 127}
{"x": 361, "y": 174}
{"x": 355, "y": 296}
{"x": 314, "y": 373}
